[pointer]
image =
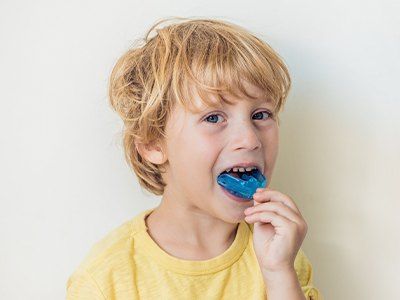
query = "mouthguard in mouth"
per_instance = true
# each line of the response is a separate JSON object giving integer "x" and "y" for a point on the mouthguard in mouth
{"x": 245, "y": 186}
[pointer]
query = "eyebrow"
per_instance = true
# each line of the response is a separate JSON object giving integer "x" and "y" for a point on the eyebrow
{"x": 257, "y": 101}
{"x": 259, "y": 98}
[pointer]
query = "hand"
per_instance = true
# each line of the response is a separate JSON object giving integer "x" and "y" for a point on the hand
{"x": 279, "y": 229}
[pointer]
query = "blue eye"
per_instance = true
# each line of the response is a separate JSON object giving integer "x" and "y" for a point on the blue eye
{"x": 267, "y": 112}
{"x": 208, "y": 118}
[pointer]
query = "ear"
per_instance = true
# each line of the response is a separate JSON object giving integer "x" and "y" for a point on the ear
{"x": 153, "y": 152}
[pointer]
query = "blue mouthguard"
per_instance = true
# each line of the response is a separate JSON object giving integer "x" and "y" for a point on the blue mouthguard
{"x": 243, "y": 187}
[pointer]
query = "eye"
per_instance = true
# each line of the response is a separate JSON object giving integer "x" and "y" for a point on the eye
{"x": 265, "y": 111}
{"x": 212, "y": 117}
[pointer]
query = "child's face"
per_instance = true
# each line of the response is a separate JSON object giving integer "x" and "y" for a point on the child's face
{"x": 202, "y": 145}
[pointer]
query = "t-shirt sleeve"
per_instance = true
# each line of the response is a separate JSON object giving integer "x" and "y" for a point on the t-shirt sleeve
{"x": 305, "y": 275}
{"x": 82, "y": 286}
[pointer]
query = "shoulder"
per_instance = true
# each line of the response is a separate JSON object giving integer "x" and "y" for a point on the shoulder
{"x": 250, "y": 225}
{"x": 81, "y": 285}
{"x": 302, "y": 264}
{"x": 304, "y": 271}
{"x": 303, "y": 267}
{"x": 305, "y": 275}
{"x": 116, "y": 242}
{"x": 109, "y": 255}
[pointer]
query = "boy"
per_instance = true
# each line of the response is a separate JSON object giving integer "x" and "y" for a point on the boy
{"x": 201, "y": 242}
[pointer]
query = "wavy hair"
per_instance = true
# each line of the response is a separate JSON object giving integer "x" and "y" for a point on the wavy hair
{"x": 157, "y": 72}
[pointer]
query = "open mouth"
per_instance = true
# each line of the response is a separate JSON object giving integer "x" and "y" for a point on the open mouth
{"x": 240, "y": 175}
{"x": 242, "y": 184}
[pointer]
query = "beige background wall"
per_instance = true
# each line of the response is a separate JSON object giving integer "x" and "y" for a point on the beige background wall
{"x": 64, "y": 182}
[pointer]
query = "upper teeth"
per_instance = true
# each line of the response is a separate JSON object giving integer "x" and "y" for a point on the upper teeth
{"x": 240, "y": 169}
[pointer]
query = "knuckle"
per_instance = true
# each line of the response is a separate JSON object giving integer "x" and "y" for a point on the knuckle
{"x": 267, "y": 215}
{"x": 293, "y": 226}
{"x": 303, "y": 227}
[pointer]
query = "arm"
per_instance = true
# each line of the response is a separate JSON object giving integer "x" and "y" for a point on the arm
{"x": 283, "y": 285}
{"x": 279, "y": 229}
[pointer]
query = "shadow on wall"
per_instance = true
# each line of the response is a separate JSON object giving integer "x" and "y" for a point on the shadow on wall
{"x": 325, "y": 164}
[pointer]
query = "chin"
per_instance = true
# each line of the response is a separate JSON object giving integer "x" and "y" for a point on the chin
{"x": 232, "y": 217}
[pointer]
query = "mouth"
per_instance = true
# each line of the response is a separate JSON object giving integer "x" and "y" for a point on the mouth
{"x": 240, "y": 175}
{"x": 242, "y": 184}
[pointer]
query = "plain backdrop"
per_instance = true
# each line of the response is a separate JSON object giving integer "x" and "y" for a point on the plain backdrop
{"x": 65, "y": 183}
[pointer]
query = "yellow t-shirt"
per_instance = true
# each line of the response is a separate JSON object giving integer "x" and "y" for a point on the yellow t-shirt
{"x": 129, "y": 264}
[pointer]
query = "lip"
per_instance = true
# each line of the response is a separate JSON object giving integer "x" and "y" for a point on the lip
{"x": 235, "y": 198}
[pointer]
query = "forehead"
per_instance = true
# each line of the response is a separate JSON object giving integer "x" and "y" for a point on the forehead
{"x": 228, "y": 99}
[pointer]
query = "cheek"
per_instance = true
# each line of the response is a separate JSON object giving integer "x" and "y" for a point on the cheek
{"x": 274, "y": 142}
{"x": 195, "y": 151}
{"x": 205, "y": 152}
{"x": 196, "y": 162}
{"x": 271, "y": 148}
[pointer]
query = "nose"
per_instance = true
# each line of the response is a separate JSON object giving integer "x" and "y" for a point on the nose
{"x": 245, "y": 136}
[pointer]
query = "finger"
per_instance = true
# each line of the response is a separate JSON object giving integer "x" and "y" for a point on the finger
{"x": 269, "y": 217}
{"x": 277, "y": 207}
{"x": 265, "y": 195}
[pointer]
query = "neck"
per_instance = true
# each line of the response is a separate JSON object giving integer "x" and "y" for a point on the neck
{"x": 188, "y": 226}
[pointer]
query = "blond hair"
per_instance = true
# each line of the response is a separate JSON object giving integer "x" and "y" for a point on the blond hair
{"x": 214, "y": 55}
